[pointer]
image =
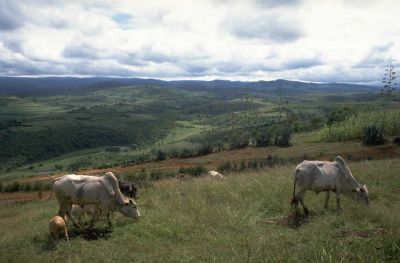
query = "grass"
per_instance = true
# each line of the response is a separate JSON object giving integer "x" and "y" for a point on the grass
{"x": 353, "y": 127}
{"x": 239, "y": 219}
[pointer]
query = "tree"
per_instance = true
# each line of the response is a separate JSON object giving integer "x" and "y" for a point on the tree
{"x": 387, "y": 90}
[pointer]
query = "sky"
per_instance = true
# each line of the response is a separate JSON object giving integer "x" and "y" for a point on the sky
{"x": 308, "y": 40}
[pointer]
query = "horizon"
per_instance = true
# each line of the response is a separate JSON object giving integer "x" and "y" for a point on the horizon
{"x": 258, "y": 40}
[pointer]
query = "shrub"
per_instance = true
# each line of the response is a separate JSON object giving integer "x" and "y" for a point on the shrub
{"x": 160, "y": 156}
{"x": 225, "y": 167}
{"x": 1, "y": 186}
{"x": 263, "y": 140}
{"x": 204, "y": 150}
{"x": 12, "y": 187}
{"x": 26, "y": 187}
{"x": 372, "y": 135}
{"x": 112, "y": 149}
{"x": 283, "y": 138}
{"x": 238, "y": 145}
{"x": 193, "y": 171}
{"x": 186, "y": 153}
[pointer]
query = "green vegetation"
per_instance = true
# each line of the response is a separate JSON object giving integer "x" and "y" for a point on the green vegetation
{"x": 353, "y": 128}
{"x": 111, "y": 123}
{"x": 240, "y": 219}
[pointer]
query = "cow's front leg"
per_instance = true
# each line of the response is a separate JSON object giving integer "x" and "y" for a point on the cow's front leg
{"x": 327, "y": 196}
{"x": 109, "y": 218}
{"x": 93, "y": 219}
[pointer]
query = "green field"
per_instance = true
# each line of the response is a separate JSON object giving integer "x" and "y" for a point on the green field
{"x": 240, "y": 219}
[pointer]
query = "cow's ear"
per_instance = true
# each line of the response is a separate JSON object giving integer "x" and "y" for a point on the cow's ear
{"x": 362, "y": 189}
{"x": 355, "y": 190}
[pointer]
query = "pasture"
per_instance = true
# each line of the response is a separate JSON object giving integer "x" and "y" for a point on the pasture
{"x": 240, "y": 219}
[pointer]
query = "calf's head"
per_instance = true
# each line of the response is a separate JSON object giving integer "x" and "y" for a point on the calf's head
{"x": 360, "y": 194}
{"x": 130, "y": 209}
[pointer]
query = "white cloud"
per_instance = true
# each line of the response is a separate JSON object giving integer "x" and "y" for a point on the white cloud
{"x": 331, "y": 40}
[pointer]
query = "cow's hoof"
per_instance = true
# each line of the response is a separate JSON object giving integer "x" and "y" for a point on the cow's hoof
{"x": 306, "y": 212}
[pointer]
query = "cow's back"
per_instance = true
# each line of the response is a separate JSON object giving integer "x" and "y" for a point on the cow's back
{"x": 317, "y": 175}
{"x": 78, "y": 189}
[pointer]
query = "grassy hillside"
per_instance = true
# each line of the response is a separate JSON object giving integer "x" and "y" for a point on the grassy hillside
{"x": 239, "y": 219}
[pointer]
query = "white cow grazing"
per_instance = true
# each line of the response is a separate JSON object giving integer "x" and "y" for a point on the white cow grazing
{"x": 100, "y": 191}
{"x": 215, "y": 174}
{"x": 321, "y": 176}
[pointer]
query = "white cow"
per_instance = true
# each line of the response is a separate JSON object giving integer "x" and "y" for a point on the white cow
{"x": 319, "y": 176}
{"x": 102, "y": 192}
{"x": 215, "y": 174}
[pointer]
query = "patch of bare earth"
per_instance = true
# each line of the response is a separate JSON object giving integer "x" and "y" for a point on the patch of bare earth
{"x": 7, "y": 198}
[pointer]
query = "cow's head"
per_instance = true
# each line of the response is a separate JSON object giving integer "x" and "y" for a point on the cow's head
{"x": 130, "y": 209}
{"x": 360, "y": 194}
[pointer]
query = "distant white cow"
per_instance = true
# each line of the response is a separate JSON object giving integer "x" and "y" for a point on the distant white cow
{"x": 100, "y": 191}
{"x": 215, "y": 174}
{"x": 319, "y": 176}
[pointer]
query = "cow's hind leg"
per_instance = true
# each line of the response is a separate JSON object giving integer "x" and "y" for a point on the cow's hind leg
{"x": 327, "y": 196}
{"x": 69, "y": 213}
{"x": 338, "y": 200}
{"x": 300, "y": 197}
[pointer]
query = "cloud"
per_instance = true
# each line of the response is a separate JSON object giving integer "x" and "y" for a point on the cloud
{"x": 11, "y": 16}
{"x": 275, "y": 3}
{"x": 203, "y": 39}
{"x": 302, "y": 63}
{"x": 267, "y": 29}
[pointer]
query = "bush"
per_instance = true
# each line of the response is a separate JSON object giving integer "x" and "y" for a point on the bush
{"x": 186, "y": 153}
{"x": 226, "y": 167}
{"x": 373, "y": 136}
{"x": 37, "y": 186}
{"x": 26, "y": 187}
{"x": 238, "y": 145}
{"x": 112, "y": 149}
{"x": 193, "y": 171}
{"x": 12, "y": 187}
{"x": 263, "y": 140}
{"x": 160, "y": 156}
{"x": 1, "y": 186}
{"x": 204, "y": 150}
{"x": 283, "y": 138}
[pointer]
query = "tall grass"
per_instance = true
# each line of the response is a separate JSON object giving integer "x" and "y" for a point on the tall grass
{"x": 239, "y": 219}
{"x": 353, "y": 127}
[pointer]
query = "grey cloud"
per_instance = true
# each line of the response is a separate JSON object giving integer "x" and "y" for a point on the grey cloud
{"x": 302, "y": 63}
{"x": 271, "y": 29}
{"x": 11, "y": 16}
{"x": 377, "y": 56}
{"x": 148, "y": 53}
{"x": 80, "y": 51}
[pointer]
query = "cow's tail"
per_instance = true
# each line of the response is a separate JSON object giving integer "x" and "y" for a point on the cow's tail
{"x": 51, "y": 191}
{"x": 294, "y": 200}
